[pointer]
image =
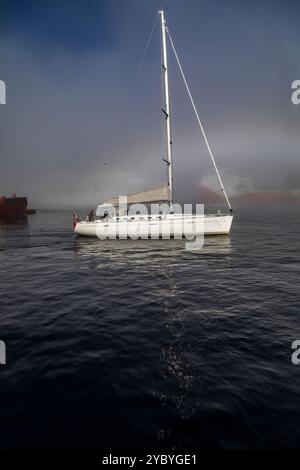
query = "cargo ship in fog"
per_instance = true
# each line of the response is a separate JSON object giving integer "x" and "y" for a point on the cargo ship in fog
{"x": 242, "y": 191}
{"x": 14, "y": 206}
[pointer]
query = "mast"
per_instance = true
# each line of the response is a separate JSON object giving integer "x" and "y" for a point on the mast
{"x": 166, "y": 108}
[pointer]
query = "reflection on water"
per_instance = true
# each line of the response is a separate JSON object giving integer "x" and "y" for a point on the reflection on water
{"x": 178, "y": 374}
{"x": 177, "y": 368}
{"x": 178, "y": 377}
{"x": 10, "y": 228}
{"x": 13, "y": 221}
{"x": 118, "y": 250}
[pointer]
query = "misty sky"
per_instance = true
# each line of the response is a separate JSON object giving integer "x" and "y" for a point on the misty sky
{"x": 74, "y": 129}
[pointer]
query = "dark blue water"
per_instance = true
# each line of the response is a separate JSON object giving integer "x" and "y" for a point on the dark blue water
{"x": 143, "y": 345}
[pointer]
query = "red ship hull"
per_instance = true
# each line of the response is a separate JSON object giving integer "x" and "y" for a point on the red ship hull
{"x": 13, "y": 206}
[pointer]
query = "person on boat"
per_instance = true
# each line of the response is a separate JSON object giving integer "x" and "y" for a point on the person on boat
{"x": 76, "y": 219}
{"x": 91, "y": 216}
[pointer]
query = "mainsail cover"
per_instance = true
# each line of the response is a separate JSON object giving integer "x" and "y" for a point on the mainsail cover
{"x": 162, "y": 193}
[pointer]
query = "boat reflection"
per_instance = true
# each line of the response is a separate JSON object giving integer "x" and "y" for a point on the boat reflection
{"x": 178, "y": 371}
{"x": 166, "y": 262}
{"x": 13, "y": 221}
{"x": 120, "y": 250}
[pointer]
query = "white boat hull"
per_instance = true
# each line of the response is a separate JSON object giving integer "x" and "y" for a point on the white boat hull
{"x": 155, "y": 227}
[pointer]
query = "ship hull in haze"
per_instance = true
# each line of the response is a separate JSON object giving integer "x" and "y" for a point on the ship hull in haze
{"x": 13, "y": 206}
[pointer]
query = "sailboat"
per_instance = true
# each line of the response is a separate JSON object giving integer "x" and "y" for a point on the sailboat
{"x": 114, "y": 220}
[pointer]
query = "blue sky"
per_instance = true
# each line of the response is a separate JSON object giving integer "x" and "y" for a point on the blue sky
{"x": 69, "y": 66}
{"x": 75, "y": 25}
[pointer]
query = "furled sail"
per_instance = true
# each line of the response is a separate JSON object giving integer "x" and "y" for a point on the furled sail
{"x": 162, "y": 193}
